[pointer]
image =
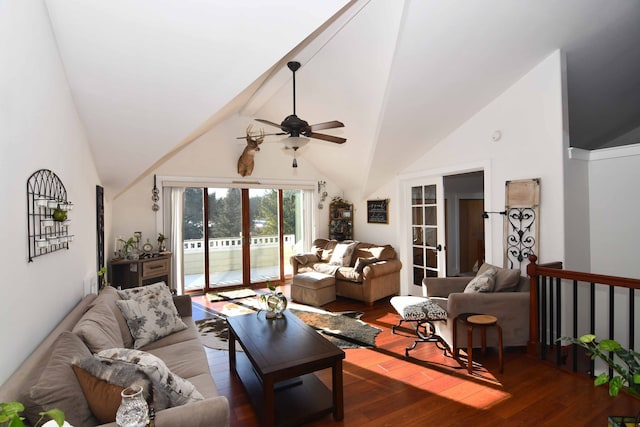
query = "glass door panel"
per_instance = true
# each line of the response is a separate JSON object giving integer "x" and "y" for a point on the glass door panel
{"x": 224, "y": 236}
{"x": 193, "y": 239}
{"x": 264, "y": 235}
{"x": 427, "y": 234}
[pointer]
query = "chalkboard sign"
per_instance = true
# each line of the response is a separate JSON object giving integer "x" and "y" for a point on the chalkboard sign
{"x": 378, "y": 211}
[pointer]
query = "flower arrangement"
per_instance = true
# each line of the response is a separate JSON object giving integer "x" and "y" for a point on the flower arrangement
{"x": 628, "y": 372}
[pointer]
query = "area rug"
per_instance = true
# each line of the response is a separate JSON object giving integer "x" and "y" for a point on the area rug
{"x": 344, "y": 330}
{"x": 230, "y": 295}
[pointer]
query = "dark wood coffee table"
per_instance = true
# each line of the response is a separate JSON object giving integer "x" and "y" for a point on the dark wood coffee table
{"x": 276, "y": 368}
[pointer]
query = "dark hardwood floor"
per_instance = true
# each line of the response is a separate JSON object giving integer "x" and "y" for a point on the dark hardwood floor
{"x": 383, "y": 388}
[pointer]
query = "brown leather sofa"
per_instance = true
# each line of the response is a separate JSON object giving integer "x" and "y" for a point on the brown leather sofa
{"x": 372, "y": 274}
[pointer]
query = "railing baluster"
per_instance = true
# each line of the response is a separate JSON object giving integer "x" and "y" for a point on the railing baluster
{"x": 592, "y": 322}
{"x": 575, "y": 324}
{"x": 632, "y": 316}
{"x": 558, "y": 345}
{"x": 543, "y": 323}
{"x": 611, "y": 324}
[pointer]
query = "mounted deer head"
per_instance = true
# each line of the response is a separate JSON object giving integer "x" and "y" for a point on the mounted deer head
{"x": 245, "y": 162}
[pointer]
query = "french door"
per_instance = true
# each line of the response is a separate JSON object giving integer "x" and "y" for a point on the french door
{"x": 427, "y": 229}
{"x": 241, "y": 236}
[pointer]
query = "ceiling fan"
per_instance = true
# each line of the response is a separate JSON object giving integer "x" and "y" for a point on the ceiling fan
{"x": 295, "y": 127}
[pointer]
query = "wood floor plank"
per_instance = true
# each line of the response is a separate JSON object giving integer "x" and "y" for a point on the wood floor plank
{"x": 382, "y": 387}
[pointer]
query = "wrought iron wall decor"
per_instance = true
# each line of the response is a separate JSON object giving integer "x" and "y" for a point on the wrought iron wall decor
{"x": 521, "y": 224}
{"x": 521, "y": 237}
{"x": 47, "y": 214}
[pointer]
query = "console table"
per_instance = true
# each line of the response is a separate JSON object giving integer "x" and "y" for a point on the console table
{"x": 128, "y": 273}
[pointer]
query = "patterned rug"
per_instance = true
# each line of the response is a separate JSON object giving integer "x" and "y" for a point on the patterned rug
{"x": 345, "y": 330}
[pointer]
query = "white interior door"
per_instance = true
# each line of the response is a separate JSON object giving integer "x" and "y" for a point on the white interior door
{"x": 427, "y": 229}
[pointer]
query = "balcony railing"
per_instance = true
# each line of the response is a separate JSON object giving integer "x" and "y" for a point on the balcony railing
{"x": 572, "y": 303}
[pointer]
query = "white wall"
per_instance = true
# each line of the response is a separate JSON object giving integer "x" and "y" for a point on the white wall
{"x": 614, "y": 174}
{"x": 39, "y": 129}
{"x": 529, "y": 115}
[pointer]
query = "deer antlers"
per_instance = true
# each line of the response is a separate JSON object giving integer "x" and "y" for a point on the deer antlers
{"x": 245, "y": 162}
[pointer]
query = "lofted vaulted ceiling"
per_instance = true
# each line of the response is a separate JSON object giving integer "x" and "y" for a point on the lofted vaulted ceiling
{"x": 150, "y": 76}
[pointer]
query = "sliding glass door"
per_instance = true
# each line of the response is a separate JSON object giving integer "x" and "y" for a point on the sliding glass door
{"x": 248, "y": 238}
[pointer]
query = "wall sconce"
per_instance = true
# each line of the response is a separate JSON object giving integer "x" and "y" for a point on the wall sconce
{"x": 485, "y": 214}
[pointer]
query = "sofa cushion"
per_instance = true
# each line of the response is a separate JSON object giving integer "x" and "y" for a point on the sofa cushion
{"x": 318, "y": 246}
{"x": 328, "y": 249}
{"x": 108, "y": 296}
{"x": 57, "y": 386}
{"x": 483, "y": 282}
{"x": 342, "y": 254}
{"x": 506, "y": 280}
{"x": 349, "y": 274}
{"x": 150, "y": 312}
{"x": 383, "y": 253}
{"x": 169, "y": 389}
{"x": 99, "y": 329}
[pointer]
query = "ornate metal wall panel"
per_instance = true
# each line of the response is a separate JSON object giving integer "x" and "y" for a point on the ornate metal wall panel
{"x": 521, "y": 224}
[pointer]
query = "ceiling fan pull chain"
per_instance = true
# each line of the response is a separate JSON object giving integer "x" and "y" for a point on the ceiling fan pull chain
{"x": 295, "y": 161}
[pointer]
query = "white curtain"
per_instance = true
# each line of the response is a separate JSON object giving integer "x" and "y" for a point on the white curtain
{"x": 176, "y": 205}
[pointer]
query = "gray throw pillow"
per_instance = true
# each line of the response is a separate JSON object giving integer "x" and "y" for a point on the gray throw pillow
{"x": 58, "y": 387}
{"x": 506, "y": 279}
{"x": 483, "y": 282}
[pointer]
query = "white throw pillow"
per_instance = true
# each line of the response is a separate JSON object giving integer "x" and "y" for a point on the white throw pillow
{"x": 483, "y": 282}
{"x": 342, "y": 254}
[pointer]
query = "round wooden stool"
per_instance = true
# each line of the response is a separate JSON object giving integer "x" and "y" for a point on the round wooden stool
{"x": 482, "y": 321}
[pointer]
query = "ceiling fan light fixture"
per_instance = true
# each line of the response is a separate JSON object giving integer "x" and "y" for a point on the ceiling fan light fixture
{"x": 296, "y": 141}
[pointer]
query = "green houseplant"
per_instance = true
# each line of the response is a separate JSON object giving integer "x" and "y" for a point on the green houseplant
{"x": 625, "y": 363}
{"x": 10, "y": 415}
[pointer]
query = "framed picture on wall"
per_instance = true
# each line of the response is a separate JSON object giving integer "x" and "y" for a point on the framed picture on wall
{"x": 378, "y": 211}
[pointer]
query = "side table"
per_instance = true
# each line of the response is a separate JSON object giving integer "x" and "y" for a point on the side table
{"x": 482, "y": 321}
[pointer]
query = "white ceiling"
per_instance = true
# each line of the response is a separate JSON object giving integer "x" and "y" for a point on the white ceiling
{"x": 149, "y": 76}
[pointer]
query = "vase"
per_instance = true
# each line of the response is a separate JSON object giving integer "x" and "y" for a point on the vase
{"x": 133, "y": 410}
{"x": 277, "y": 303}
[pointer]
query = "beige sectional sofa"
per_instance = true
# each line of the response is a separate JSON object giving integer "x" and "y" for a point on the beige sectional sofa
{"x": 372, "y": 272}
{"x": 46, "y": 378}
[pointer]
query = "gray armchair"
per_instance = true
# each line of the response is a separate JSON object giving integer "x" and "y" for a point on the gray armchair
{"x": 510, "y": 307}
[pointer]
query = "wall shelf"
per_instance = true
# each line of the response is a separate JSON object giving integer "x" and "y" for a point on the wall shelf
{"x": 340, "y": 221}
{"x": 47, "y": 232}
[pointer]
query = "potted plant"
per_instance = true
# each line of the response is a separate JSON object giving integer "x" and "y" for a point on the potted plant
{"x": 10, "y": 415}
{"x": 161, "y": 239}
{"x": 625, "y": 363}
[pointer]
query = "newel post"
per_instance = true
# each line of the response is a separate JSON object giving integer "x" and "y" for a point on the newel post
{"x": 534, "y": 339}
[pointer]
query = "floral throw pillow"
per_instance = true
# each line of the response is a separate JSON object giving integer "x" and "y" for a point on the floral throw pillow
{"x": 150, "y": 313}
{"x": 483, "y": 282}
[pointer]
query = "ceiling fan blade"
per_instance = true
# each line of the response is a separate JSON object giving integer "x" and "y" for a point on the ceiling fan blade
{"x": 327, "y": 125}
{"x": 330, "y": 138}
{"x": 267, "y": 122}
{"x": 266, "y": 134}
